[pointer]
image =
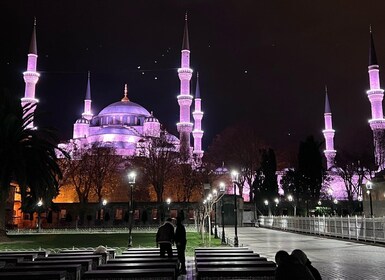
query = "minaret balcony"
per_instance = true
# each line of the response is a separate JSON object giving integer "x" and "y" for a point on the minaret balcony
{"x": 375, "y": 94}
{"x": 185, "y": 70}
{"x": 29, "y": 100}
{"x": 376, "y": 124}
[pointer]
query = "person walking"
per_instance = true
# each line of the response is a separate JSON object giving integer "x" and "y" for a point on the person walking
{"x": 181, "y": 241}
{"x": 165, "y": 238}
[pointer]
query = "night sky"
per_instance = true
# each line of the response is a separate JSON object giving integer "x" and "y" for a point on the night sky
{"x": 264, "y": 62}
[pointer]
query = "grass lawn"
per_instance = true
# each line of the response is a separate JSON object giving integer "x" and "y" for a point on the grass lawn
{"x": 115, "y": 240}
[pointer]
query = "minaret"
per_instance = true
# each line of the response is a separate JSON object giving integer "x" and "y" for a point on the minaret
{"x": 31, "y": 76}
{"x": 87, "y": 114}
{"x": 375, "y": 95}
{"x": 197, "y": 132}
{"x": 184, "y": 125}
{"x": 329, "y": 132}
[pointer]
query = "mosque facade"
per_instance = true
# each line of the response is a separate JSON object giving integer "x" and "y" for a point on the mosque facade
{"x": 126, "y": 125}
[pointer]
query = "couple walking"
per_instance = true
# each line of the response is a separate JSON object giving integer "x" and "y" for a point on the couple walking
{"x": 165, "y": 238}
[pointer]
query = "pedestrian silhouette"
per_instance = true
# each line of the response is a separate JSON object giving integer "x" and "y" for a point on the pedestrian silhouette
{"x": 303, "y": 259}
{"x": 165, "y": 238}
{"x": 181, "y": 241}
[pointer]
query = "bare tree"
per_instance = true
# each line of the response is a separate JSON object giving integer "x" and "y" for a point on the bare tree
{"x": 156, "y": 160}
{"x": 240, "y": 147}
{"x": 353, "y": 175}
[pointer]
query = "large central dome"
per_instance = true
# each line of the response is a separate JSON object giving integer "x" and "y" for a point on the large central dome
{"x": 124, "y": 108}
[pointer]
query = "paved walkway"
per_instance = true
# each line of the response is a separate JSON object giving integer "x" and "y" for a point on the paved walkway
{"x": 335, "y": 259}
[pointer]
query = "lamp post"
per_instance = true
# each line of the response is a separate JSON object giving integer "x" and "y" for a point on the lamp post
{"x": 39, "y": 205}
{"x": 369, "y": 187}
{"x": 266, "y": 202}
{"x": 222, "y": 189}
{"x": 104, "y": 203}
{"x": 215, "y": 195}
{"x": 131, "y": 182}
{"x": 168, "y": 201}
{"x": 335, "y": 201}
{"x": 234, "y": 178}
{"x": 291, "y": 199}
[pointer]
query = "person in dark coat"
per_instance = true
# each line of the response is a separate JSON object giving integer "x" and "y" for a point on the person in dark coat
{"x": 181, "y": 241}
{"x": 301, "y": 256}
{"x": 289, "y": 268}
{"x": 165, "y": 238}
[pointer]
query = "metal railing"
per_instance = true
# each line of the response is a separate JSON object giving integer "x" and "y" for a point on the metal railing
{"x": 86, "y": 230}
{"x": 353, "y": 228}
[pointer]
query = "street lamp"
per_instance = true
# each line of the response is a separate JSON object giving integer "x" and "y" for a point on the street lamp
{"x": 369, "y": 187}
{"x": 335, "y": 201}
{"x": 291, "y": 199}
{"x": 39, "y": 205}
{"x": 222, "y": 188}
{"x": 266, "y": 202}
{"x": 168, "y": 201}
{"x": 215, "y": 195}
{"x": 234, "y": 178}
{"x": 131, "y": 182}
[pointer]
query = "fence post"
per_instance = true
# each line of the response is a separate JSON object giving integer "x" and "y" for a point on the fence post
{"x": 349, "y": 226}
{"x": 342, "y": 227}
{"x": 356, "y": 227}
{"x": 324, "y": 224}
{"x": 335, "y": 226}
{"x": 364, "y": 221}
{"x": 374, "y": 230}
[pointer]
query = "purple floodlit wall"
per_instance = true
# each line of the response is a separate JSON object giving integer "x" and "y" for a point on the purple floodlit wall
{"x": 375, "y": 94}
{"x": 87, "y": 110}
{"x": 151, "y": 129}
{"x": 374, "y": 77}
{"x": 32, "y": 62}
{"x": 328, "y": 121}
{"x": 185, "y": 59}
{"x": 81, "y": 130}
{"x": 329, "y": 140}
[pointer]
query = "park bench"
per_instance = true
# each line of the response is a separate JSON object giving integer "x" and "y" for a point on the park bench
{"x": 111, "y": 252}
{"x": 236, "y": 273}
{"x": 86, "y": 264}
{"x": 142, "y": 260}
{"x": 139, "y": 255}
{"x": 96, "y": 259}
{"x": 146, "y": 252}
{"x": 225, "y": 248}
{"x": 199, "y": 265}
{"x": 40, "y": 253}
{"x": 10, "y": 261}
{"x": 25, "y": 256}
{"x": 225, "y": 254}
{"x": 33, "y": 275}
{"x": 73, "y": 271}
{"x": 223, "y": 251}
{"x": 122, "y": 274}
{"x": 154, "y": 265}
{"x": 104, "y": 255}
{"x": 230, "y": 258}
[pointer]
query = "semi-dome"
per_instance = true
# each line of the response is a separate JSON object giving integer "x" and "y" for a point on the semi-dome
{"x": 124, "y": 108}
{"x": 82, "y": 120}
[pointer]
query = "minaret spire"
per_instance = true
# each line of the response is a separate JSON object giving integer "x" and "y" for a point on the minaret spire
{"x": 328, "y": 133}
{"x": 31, "y": 77}
{"x": 87, "y": 114}
{"x": 184, "y": 125}
{"x": 376, "y": 95}
{"x": 185, "y": 44}
{"x": 197, "y": 132}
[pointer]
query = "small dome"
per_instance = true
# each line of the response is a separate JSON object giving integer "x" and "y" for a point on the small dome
{"x": 82, "y": 120}
{"x": 151, "y": 118}
{"x": 125, "y": 108}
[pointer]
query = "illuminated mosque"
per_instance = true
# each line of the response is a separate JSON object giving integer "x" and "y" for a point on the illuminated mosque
{"x": 377, "y": 123}
{"x": 126, "y": 125}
